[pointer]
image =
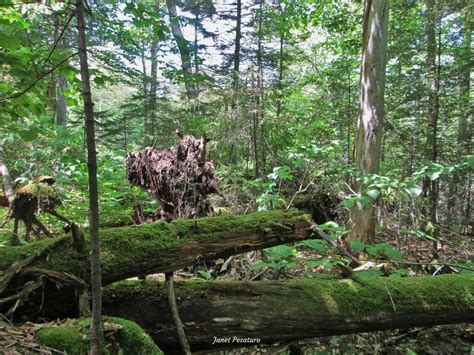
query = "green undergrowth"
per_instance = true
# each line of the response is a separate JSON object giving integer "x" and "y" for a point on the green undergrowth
{"x": 121, "y": 337}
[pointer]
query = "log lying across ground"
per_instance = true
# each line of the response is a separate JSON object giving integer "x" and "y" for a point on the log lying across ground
{"x": 133, "y": 251}
{"x": 239, "y": 313}
{"x": 165, "y": 247}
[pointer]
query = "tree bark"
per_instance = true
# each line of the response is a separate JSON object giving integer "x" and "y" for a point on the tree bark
{"x": 153, "y": 80}
{"x": 61, "y": 105}
{"x": 460, "y": 189}
{"x": 370, "y": 124}
{"x": 238, "y": 37}
{"x": 95, "y": 266}
{"x": 433, "y": 106}
{"x": 183, "y": 48}
{"x": 290, "y": 310}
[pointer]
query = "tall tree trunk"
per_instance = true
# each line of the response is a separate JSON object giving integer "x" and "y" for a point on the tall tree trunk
{"x": 433, "y": 108}
{"x": 145, "y": 89}
{"x": 60, "y": 82}
{"x": 153, "y": 80}
{"x": 254, "y": 126}
{"x": 238, "y": 38}
{"x": 369, "y": 126}
{"x": 196, "y": 43}
{"x": 7, "y": 181}
{"x": 61, "y": 105}
{"x": 96, "y": 280}
{"x": 281, "y": 58}
{"x": 260, "y": 89}
{"x": 183, "y": 48}
{"x": 467, "y": 111}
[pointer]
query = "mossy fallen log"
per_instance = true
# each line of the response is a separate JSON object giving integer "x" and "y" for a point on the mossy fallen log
{"x": 238, "y": 314}
{"x": 166, "y": 247}
{"x": 134, "y": 251}
{"x": 119, "y": 336}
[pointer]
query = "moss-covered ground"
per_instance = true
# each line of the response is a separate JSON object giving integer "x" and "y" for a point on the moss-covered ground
{"x": 72, "y": 337}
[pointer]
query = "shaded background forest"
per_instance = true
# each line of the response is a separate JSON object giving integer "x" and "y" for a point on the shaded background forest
{"x": 275, "y": 85}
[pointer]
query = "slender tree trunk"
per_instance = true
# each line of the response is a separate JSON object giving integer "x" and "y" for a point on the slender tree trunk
{"x": 60, "y": 81}
{"x": 464, "y": 138}
{"x": 183, "y": 48}
{"x": 7, "y": 180}
{"x": 254, "y": 131}
{"x": 153, "y": 80}
{"x": 260, "y": 109}
{"x": 196, "y": 44}
{"x": 433, "y": 108}
{"x": 367, "y": 145}
{"x": 145, "y": 90}
{"x": 96, "y": 280}
{"x": 238, "y": 38}
{"x": 281, "y": 58}
{"x": 61, "y": 105}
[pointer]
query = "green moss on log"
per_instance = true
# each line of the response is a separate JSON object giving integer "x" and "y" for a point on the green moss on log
{"x": 140, "y": 245}
{"x": 328, "y": 297}
{"x": 73, "y": 338}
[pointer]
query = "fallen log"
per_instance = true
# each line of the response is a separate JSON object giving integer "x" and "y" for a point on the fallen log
{"x": 238, "y": 314}
{"x": 138, "y": 250}
{"x": 166, "y": 247}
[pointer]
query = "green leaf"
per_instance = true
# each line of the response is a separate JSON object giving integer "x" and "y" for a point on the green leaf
{"x": 373, "y": 194}
{"x": 414, "y": 190}
{"x": 257, "y": 266}
{"x": 394, "y": 254}
{"x": 29, "y": 135}
{"x": 435, "y": 175}
{"x": 470, "y": 161}
{"x": 316, "y": 244}
{"x": 373, "y": 250}
{"x": 329, "y": 226}
{"x": 356, "y": 245}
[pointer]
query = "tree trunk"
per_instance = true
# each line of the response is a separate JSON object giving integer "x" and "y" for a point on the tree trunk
{"x": 93, "y": 189}
{"x": 238, "y": 37}
{"x": 433, "y": 106}
{"x": 369, "y": 126}
{"x": 260, "y": 104}
{"x": 459, "y": 196}
{"x": 61, "y": 105}
{"x": 281, "y": 58}
{"x": 153, "y": 81}
{"x": 183, "y": 48}
{"x": 7, "y": 180}
{"x": 290, "y": 310}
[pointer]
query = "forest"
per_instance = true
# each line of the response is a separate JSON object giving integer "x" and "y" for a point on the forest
{"x": 236, "y": 177}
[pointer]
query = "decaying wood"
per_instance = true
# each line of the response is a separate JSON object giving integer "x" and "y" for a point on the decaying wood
{"x": 291, "y": 310}
{"x": 159, "y": 247}
{"x": 29, "y": 201}
{"x": 180, "y": 179}
{"x": 19, "y": 265}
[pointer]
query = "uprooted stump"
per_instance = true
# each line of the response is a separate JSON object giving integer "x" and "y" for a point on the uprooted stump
{"x": 30, "y": 200}
{"x": 180, "y": 179}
